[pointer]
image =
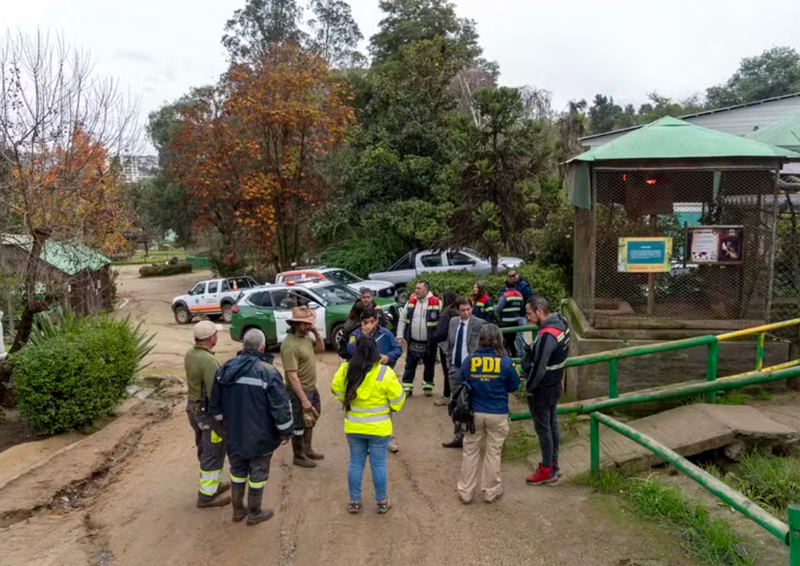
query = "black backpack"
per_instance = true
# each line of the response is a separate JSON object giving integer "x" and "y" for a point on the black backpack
{"x": 460, "y": 407}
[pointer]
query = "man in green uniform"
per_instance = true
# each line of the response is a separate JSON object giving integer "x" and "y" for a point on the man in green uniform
{"x": 201, "y": 367}
{"x": 298, "y": 355}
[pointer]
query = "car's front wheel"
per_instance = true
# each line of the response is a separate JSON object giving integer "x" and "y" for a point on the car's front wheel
{"x": 227, "y": 314}
{"x": 337, "y": 335}
{"x": 182, "y": 315}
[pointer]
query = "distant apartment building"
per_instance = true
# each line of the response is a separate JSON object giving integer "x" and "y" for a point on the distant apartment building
{"x": 139, "y": 167}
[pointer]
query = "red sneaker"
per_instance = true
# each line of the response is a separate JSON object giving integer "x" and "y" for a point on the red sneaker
{"x": 542, "y": 476}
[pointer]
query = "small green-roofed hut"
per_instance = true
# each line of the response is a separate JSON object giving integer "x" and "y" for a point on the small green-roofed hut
{"x": 655, "y": 183}
{"x": 783, "y": 133}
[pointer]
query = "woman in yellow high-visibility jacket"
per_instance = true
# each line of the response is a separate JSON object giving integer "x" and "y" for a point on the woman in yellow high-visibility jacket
{"x": 370, "y": 392}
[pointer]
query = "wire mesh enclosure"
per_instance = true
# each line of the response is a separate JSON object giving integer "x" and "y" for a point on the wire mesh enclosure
{"x": 663, "y": 203}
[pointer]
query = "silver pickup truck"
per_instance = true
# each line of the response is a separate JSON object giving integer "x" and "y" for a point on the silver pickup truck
{"x": 432, "y": 261}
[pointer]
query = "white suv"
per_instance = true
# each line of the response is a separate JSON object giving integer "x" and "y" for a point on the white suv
{"x": 213, "y": 298}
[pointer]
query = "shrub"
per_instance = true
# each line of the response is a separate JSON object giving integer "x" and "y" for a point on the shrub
{"x": 545, "y": 281}
{"x": 364, "y": 255}
{"x": 163, "y": 270}
{"x": 78, "y": 372}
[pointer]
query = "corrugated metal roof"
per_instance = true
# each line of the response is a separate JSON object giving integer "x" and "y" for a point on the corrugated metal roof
{"x": 68, "y": 257}
{"x": 696, "y": 114}
{"x": 671, "y": 138}
{"x": 783, "y": 133}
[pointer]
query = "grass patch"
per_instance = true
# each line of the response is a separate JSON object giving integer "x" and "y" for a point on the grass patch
{"x": 762, "y": 395}
{"x": 708, "y": 539}
{"x": 521, "y": 442}
{"x": 771, "y": 482}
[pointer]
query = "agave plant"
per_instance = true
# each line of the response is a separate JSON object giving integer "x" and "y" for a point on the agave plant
{"x": 44, "y": 328}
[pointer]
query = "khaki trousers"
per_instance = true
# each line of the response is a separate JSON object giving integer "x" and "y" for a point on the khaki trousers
{"x": 483, "y": 450}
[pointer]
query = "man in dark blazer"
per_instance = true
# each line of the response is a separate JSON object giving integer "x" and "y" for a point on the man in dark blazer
{"x": 462, "y": 340}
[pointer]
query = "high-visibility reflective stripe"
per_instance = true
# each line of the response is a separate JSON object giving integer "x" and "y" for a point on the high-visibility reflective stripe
{"x": 395, "y": 401}
{"x": 251, "y": 381}
{"x": 256, "y": 484}
{"x": 408, "y": 387}
{"x": 372, "y": 419}
{"x": 378, "y": 409}
{"x": 557, "y": 366}
{"x": 209, "y": 482}
{"x": 286, "y": 425}
{"x": 433, "y": 307}
{"x": 298, "y": 433}
{"x": 338, "y": 397}
{"x": 381, "y": 373}
{"x": 215, "y": 438}
{"x": 427, "y": 386}
{"x": 218, "y": 417}
{"x": 432, "y": 323}
{"x": 235, "y": 479}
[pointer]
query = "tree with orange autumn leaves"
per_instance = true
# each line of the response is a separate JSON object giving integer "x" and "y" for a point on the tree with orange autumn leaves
{"x": 248, "y": 150}
{"x": 60, "y": 130}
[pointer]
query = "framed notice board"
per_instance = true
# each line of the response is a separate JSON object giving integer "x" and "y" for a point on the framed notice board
{"x": 715, "y": 244}
{"x": 644, "y": 255}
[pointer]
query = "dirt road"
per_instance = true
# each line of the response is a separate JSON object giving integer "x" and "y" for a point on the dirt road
{"x": 140, "y": 510}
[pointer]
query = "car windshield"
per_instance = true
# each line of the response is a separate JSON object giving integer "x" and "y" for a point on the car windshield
{"x": 336, "y": 294}
{"x": 342, "y": 276}
{"x": 474, "y": 253}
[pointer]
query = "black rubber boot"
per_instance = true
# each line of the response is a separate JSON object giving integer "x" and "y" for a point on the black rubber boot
{"x": 237, "y": 500}
{"x": 300, "y": 458}
{"x": 308, "y": 435}
{"x": 256, "y": 515}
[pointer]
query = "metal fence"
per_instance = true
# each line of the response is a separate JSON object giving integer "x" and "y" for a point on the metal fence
{"x": 662, "y": 203}
{"x": 786, "y": 281}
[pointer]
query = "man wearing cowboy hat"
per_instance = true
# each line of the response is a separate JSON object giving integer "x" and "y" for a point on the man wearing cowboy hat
{"x": 298, "y": 354}
{"x": 201, "y": 367}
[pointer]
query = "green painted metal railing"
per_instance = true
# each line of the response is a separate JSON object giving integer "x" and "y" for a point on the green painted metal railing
{"x": 674, "y": 391}
{"x": 783, "y": 532}
{"x": 711, "y": 342}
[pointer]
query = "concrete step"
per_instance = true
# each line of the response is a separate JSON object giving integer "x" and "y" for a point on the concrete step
{"x": 688, "y": 430}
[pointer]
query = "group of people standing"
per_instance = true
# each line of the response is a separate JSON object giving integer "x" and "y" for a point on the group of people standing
{"x": 246, "y": 410}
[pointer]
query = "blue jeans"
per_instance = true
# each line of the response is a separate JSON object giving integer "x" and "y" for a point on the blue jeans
{"x": 377, "y": 447}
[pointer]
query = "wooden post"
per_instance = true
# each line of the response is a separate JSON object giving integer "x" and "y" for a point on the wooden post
{"x": 651, "y": 277}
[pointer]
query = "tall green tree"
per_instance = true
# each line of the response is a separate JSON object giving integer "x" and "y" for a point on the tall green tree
{"x": 335, "y": 34}
{"x": 260, "y": 24}
{"x": 773, "y": 73}
{"x": 501, "y": 164}
{"x": 410, "y": 21}
{"x": 604, "y": 114}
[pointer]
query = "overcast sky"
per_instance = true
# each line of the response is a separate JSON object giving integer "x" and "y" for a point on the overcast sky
{"x": 158, "y": 49}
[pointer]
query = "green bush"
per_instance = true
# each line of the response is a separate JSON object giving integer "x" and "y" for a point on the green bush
{"x": 543, "y": 280}
{"x": 77, "y": 372}
{"x": 175, "y": 267}
{"x": 364, "y": 255}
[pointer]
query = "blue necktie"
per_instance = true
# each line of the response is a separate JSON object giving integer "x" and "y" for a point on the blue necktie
{"x": 459, "y": 344}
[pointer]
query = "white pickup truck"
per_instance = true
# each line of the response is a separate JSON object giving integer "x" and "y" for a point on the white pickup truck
{"x": 432, "y": 261}
{"x": 213, "y": 298}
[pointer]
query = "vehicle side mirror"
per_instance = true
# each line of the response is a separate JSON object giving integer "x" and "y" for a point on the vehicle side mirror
{"x": 313, "y": 305}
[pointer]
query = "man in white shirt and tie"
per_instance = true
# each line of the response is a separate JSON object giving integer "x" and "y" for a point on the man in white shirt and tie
{"x": 462, "y": 340}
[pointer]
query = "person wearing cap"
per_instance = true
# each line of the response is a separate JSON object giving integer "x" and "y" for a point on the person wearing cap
{"x": 201, "y": 367}
{"x": 298, "y": 355}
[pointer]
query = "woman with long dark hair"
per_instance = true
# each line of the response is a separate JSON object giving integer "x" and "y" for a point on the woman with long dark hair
{"x": 491, "y": 376}
{"x": 449, "y": 310}
{"x": 482, "y": 305}
{"x": 370, "y": 393}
